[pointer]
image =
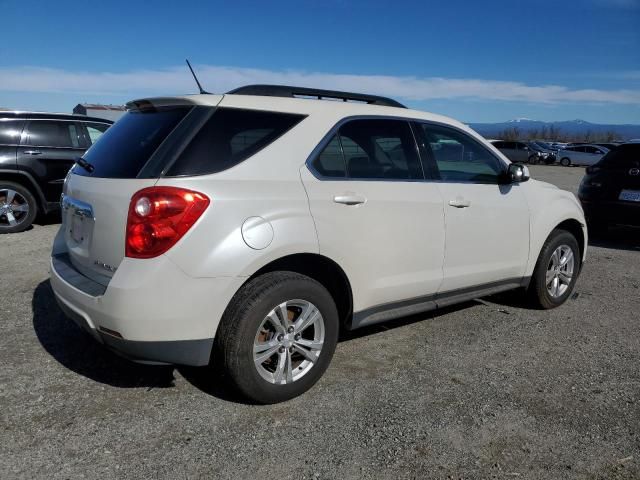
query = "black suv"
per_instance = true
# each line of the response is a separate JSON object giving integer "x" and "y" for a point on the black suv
{"x": 36, "y": 152}
{"x": 610, "y": 190}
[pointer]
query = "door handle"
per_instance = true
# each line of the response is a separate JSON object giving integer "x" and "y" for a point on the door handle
{"x": 33, "y": 152}
{"x": 349, "y": 199}
{"x": 460, "y": 203}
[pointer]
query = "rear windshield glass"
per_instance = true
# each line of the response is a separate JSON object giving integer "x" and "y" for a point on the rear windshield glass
{"x": 127, "y": 145}
{"x": 229, "y": 137}
{"x": 624, "y": 156}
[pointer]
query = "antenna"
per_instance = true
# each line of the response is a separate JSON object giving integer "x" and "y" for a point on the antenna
{"x": 202, "y": 91}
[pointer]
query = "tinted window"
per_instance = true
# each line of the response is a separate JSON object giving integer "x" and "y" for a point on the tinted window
{"x": 46, "y": 133}
{"x": 509, "y": 146}
{"x": 10, "y": 132}
{"x": 380, "y": 149}
{"x": 229, "y": 137}
{"x": 330, "y": 162}
{"x": 459, "y": 158}
{"x": 128, "y": 144}
{"x": 624, "y": 156}
{"x": 95, "y": 131}
{"x": 498, "y": 144}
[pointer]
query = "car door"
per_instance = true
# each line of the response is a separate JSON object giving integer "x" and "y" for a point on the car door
{"x": 47, "y": 151}
{"x": 580, "y": 155}
{"x": 593, "y": 155}
{"x": 374, "y": 214}
{"x": 10, "y": 131}
{"x": 486, "y": 222}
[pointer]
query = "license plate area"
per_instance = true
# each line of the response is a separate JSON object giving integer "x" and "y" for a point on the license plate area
{"x": 630, "y": 195}
{"x": 76, "y": 229}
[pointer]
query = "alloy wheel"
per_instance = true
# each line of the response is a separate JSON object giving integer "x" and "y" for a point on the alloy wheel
{"x": 288, "y": 342}
{"x": 560, "y": 271}
{"x": 14, "y": 208}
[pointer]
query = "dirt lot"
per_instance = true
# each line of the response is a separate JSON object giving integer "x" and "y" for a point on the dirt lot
{"x": 484, "y": 390}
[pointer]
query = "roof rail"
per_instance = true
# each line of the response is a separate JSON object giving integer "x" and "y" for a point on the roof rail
{"x": 288, "y": 91}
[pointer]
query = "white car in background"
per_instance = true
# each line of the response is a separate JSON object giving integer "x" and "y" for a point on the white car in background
{"x": 246, "y": 230}
{"x": 585, "y": 155}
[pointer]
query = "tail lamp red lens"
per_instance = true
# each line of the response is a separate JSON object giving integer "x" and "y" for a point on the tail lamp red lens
{"x": 159, "y": 217}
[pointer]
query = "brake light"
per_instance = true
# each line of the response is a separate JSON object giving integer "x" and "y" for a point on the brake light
{"x": 159, "y": 217}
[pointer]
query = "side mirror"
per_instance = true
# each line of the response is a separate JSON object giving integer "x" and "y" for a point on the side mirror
{"x": 526, "y": 149}
{"x": 517, "y": 173}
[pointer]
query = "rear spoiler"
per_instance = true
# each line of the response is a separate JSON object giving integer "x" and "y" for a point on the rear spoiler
{"x": 152, "y": 104}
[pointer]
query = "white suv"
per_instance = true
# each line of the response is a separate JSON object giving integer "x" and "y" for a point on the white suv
{"x": 246, "y": 230}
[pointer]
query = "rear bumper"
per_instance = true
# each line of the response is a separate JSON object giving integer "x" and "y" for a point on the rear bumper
{"x": 151, "y": 311}
{"x": 624, "y": 213}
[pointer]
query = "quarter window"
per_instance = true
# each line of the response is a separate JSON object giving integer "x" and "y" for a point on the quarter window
{"x": 229, "y": 137}
{"x": 95, "y": 131}
{"x": 330, "y": 162}
{"x": 459, "y": 158}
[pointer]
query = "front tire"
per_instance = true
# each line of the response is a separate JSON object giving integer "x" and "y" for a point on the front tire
{"x": 533, "y": 160}
{"x": 18, "y": 207}
{"x": 565, "y": 162}
{"x": 556, "y": 271}
{"x": 277, "y": 337}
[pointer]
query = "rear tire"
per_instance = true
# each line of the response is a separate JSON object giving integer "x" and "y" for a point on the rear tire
{"x": 253, "y": 326}
{"x": 18, "y": 207}
{"x": 565, "y": 162}
{"x": 556, "y": 270}
{"x": 533, "y": 160}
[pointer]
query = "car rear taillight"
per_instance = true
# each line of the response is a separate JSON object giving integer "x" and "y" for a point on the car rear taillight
{"x": 159, "y": 217}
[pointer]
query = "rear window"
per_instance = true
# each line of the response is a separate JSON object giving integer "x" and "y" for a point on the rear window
{"x": 624, "y": 156}
{"x": 229, "y": 137}
{"x": 127, "y": 145}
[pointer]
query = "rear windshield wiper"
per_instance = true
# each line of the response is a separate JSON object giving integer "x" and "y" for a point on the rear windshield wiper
{"x": 84, "y": 164}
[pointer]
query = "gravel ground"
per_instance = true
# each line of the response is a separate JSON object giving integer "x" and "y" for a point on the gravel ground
{"x": 483, "y": 390}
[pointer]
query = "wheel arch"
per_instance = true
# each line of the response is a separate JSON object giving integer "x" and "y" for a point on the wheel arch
{"x": 27, "y": 181}
{"x": 574, "y": 227}
{"x": 323, "y": 270}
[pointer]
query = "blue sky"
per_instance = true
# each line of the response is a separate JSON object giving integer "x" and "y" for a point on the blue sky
{"x": 474, "y": 60}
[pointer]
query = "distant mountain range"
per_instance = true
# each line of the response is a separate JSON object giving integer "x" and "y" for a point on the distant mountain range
{"x": 568, "y": 127}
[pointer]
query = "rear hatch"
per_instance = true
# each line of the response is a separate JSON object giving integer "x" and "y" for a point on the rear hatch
{"x": 619, "y": 173}
{"x": 130, "y": 156}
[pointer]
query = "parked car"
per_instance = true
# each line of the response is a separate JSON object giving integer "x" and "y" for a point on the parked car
{"x": 581, "y": 155}
{"x": 610, "y": 189}
{"x": 248, "y": 229}
{"x": 545, "y": 154}
{"x": 36, "y": 152}
{"x": 518, "y": 151}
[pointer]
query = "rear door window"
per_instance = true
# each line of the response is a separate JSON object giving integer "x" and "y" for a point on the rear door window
{"x": 51, "y": 133}
{"x": 10, "y": 132}
{"x": 229, "y": 137}
{"x": 380, "y": 149}
{"x": 128, "y": 144}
